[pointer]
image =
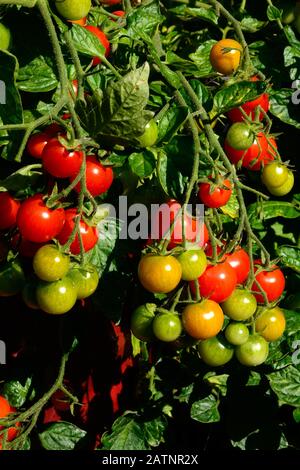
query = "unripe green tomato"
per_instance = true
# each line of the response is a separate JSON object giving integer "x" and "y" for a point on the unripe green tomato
{"x": 240, "y": 306}
{"x": 240, "y": 136}
{"x": 56, "y": 297}
{"x": 141, "y": 322}
{"x": 274, "y": 175}
{"x": 215, "y": 351}
{"x": 50, "y": 264}
{"x": 236, "y": 333}
{"x": 5, "y": 37}
{"x": 285, "y": 188}
{"x": 73, "y": 9}
{"x": 193, "y": 264}
{"x": 85, "y": 279}
{"x": 254, "y": 352}
{"x": 167, "y": 326}
{"x": 288, "y": 13}
{"x": 149, "y": 137}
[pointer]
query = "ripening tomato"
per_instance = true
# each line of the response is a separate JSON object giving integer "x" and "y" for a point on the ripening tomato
{"x": 61, "y": 162}
{"x": 261, "y": 152}
{"x": 73, "y": 9}
{"x": 5, "y": 410}
{"x": 240, "y": 136}
{"x": 99, "y": 178}
{"x": 167, "y": 326}
{"x": 203, "y": 320}
{"x": 215, "y": 196}
{"x": 50, "y": 264}
{"x": 285, "y": 188}
{"x": 193, "y": 264}
{"x": 103, "y": 40}
{"x": 141, "y": 322}
{"x": 9, "y": 208}
{"x": 235, "y": 115}
{"x": 159, "y": 274}
{"x": 215, "y": 351}
{"x": 217, "y": 282}
{"x": 37, "y": 143}
{"x": 253, "y": 352}
{"x": 85, "y": 279}
{"x": 36, "y": 222}
{"x": 240, "y": 305}
{"x": 239, "y": 260}
{"x": 278, "y": 179}
{"x": 236, "y": 333}
{"x": 56, "y": 297}
{"x": 271, "y": 281}
{"x": 89, "y": 235}
{"x": 270, "y": 323}
{"x": 225, "y": 56}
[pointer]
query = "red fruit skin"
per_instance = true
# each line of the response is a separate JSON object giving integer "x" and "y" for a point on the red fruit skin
{"x": 53, "y": 129}
{"x": 9, "y": 208}
{"x": 89, "y": 234}
{"x": 239, "y": 260}
{"x": 99, "y": 178}
{"x": 37, "y": 143}
{"x": 102, "y": 38}
{"x": 5, "y": 410}
{"x": 120, "y": 13}
{"x": 37, "y": 223}
{"x": 272, "y": 282}
{"x": 216, "y": 198}
{"x": 260, "y": 150}
{"x": 217, "y": 282}
{"x": 61, "y": 162}
{"x": 235, "y": 115}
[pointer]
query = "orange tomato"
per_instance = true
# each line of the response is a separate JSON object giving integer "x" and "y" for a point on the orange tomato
{"x": 203, "y": 320}
{"x": 159, "y": 274}
{"x": 225, "y": 56}
{"x": 270, "y": 324}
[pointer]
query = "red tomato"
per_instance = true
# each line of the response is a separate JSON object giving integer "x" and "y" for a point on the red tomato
{"x": 53, "y": 129}
{"x": 260, "y": 153}
{"x": 89, "y": 234}
{"x": 235, "y": 115}
{"x": 5, "y": 410}
{"x": 9, "y": 208}
{"x": 99, "y": 178}
{"x": 61, "y": 162}
{"x": 217, "y": 282}
{"x": 37, "y": 143}
{"x": 102, "y": 38}
{"x": 36, "y": 222}
{"x": 272, "y": 282}
{"x": 120, "y": 13}
{"x": 239, "y": 260}
{"x": 216, "y": 197}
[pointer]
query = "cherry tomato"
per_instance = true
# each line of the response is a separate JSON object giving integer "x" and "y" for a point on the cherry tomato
{"x": 278, "y": 179}
{"x": 253, "y": 352}
{"x": 193, "y": 264}
{"x": 9, "y": 208}
{"x": 99, "y": 178}
{"x": 215, "y": 196}
{"x": 240, "y": 136}
{"x": 167, "y": 326}
{"x": 240, "y": 306}
{"x": 260, "y": 153}
{"x": 215, "y": 351}
{"x": 149, "y": 137}
{"x": 36, "y": 222}
{"x": 217, "y": 282}
{"x": 272, "y": 282}
{"x": 270, "y": 323}
{"x": 236, "y": 333}
{"x": 203, "y": 320}
{"x": 239, "y": 260}
{"x": 235, "y": 115}
{"x": 56, "y": 297}
{"x": 85, "y": 279}
{"x": 12, "y": 278}
{"x": 225, "y": 56}
{"x": 61, "y": 162}
{"x": 5, "y": 410}
{"x": 159, "y": 274}
{"x": 120, "y": 13}
{"x": 5, "y": 37}
{"x": 50, "y": 264}
{"x": 89, "y": 234}
{"x": 141, "y": 322}
{"x": 37, "y": 143}
{"x": 73, "y": 9}
{"x": 103, "y": 40}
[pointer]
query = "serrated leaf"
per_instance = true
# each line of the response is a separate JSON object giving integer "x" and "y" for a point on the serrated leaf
{"x": 266, "y": 210}
{"x": 22, "y": 179}
{"x": 237, "y": 94}
{"x": 285, "y": 383}
{"x": 86, "y": 42}
{"x": 252, "y": 25}
{"x": 144, "y": 20}
{"x": 143, "y": 163}
{"x": 126, "y": 434}
{"x": 273, "y": 13}
{"x": 186, "y": 13}
{"x": 17, "y": 390}
{"x": 62, "y": 436}
{"x": 290, "y": 256}
{"x": 206, "y": 410}
{"x": 170, "y": 122}
{"x": 37, "y": 76}
{"x": 201, "y": 58}
{"x": 282, "y": 106}
{"x": 154, "y": 430}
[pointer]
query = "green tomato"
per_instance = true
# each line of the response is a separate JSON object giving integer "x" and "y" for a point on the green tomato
{"x": 240, "y": 306}
{"x": 29, "y": 295}
{"x": 149, "y": 137}
{"x": 193, "y": 264}
{"x": 56, "y": 297}
{"x": 50, "y": 264}
{"x": 240, "y": 136}
{"x": 236, "y": 333}
{"x": 141, "y": 322}
{"x": 5, "y": 37}
{"x": 167, "y": 326}
{"x": 85, "y": 279}
{"x": 274, "y": 175}
{"x": 215, "y": 351}
{"x": 285, "y": 188}
{"x": 73, "y": 9}
{"x": 254, "y": 352}
{"x": 12, "y": 278}
{"x": 288, "y": 11}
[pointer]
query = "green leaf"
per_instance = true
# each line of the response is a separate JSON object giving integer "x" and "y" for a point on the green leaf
{"x": 186, "y": 13}
{"x": 285, "y": 383}
{"x": 237, "y": 94}
{"x": 126, "y": 434}
{"x": 170, "y": 122}
{"x": 273, "y": 13}
{"x": 282, "y": 106}
{"x": 62, "y": 436}
{"x": 144, "y": 20}
{"x": 86, "y": 42}
{"x": 17, "y": 390}
{"x": 252, "y": 25}
{"x": 37, "y": 76}
{"x": 290, "y": 256}
{"x": 201, "y": 58}
{"x": 154, "y": 430}
{"x": 296, "y": 415}
{"x": 24, "y": 178}
{"x": 205, "y": 410}
{"x": 231, "y": 208}
{"x": 11, "y": 111}
{"x": 142, "y": 164}
{"x": 266, "y": 210}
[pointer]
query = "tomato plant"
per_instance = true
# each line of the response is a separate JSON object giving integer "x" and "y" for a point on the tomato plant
{"x": 239, "y": 136}
{"x": 225, "y": 56}
{"x": 150, "y": 134}
{"x": 5, "y": 410}
{"x": 261, "y": 152}
{"x": 239, "y": 260}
